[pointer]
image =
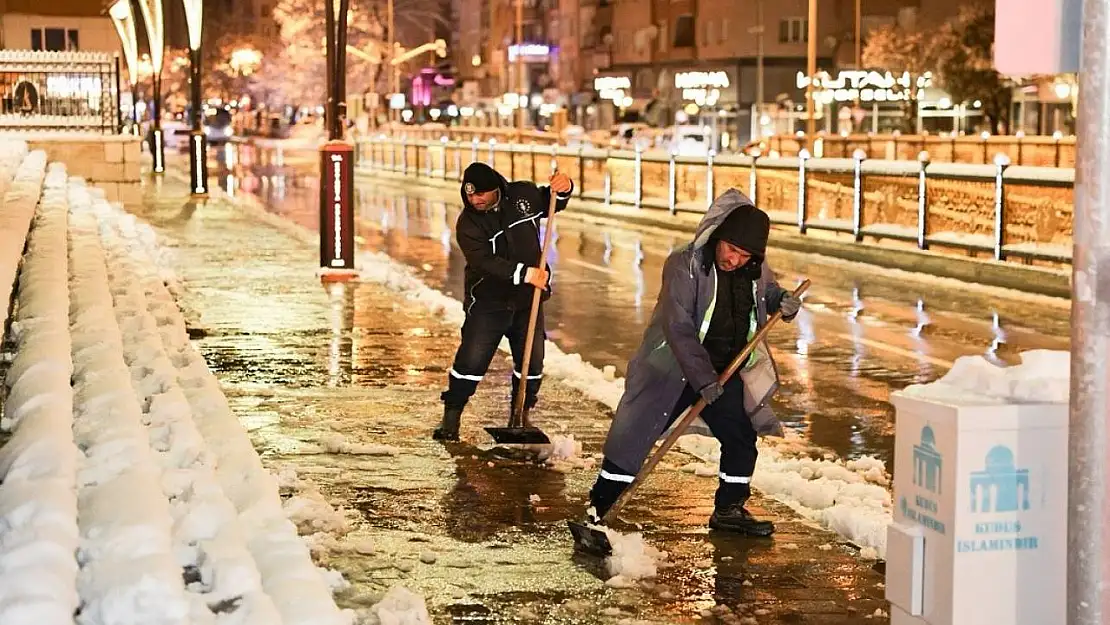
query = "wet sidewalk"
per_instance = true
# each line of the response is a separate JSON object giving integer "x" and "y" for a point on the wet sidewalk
{"x": 342, "y": 382}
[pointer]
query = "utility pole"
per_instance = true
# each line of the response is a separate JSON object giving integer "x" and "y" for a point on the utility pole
{"x": 392, "y": 55}
{"x": 811, "y": 69}
{"x": 859, "y": 33}
{"x": 761, "y": 29}
{"x": 1088, "y": 566}
{"x": 522, "y": 85}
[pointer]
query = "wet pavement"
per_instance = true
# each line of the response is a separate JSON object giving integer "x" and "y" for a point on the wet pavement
{"x": 302, "y": 363}
{"x": 864, "y": 332}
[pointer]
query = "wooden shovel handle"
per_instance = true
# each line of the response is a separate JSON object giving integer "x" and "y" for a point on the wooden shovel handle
{"x": 516, "y": 419}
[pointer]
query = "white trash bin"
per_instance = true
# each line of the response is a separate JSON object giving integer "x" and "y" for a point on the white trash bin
{"x": 980, "y": 503}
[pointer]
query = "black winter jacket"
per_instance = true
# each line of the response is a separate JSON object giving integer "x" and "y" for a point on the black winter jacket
{"x": 500, "y": 245}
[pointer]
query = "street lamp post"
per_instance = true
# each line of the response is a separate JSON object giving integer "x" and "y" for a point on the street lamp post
{"x": 198, "y": 142}
{"x": 337, "y": 240}
{"x": 155, "y": 34}
{"x": 124, "y": 21}
{"x": 811, "y": 69}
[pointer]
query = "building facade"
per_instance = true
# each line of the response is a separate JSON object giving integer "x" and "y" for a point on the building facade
{"x": 58, "y": 25}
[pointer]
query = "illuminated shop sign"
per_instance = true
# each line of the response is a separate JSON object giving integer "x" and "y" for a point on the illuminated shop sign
{"x": 865, "y": 86}
{"x": 701, "y": 88}
{"x": 529, "y": 50}
{"x": 613, "y": 88}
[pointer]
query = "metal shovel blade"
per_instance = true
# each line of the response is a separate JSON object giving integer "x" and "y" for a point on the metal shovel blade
{"x": 590, "y": 540}
{"x": 518, "y": 436}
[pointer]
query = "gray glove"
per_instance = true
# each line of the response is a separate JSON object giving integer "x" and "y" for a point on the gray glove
{"x": 712, "y": 392}
{"x": 790, "y": 305}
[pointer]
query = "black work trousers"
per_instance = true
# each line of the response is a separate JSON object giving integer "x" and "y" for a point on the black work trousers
{"x": 729, "y": 424}
{"x": 481, "y": 334}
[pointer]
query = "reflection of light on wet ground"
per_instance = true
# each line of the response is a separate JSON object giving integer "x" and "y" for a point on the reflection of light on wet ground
{"x": 608, "y": 255}
{"x": 232, "y": 181}
{"x": 922, "y": 319}
{"x": 638, "y": 276}
{"x": 857, "y": 333}
{"x": 229, "y": 154}
{"x": 336, "y": 299}
{"x": 999, "y": 338}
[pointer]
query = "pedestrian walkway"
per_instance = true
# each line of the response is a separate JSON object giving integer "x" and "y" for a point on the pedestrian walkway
{"x": 341, "y": 383}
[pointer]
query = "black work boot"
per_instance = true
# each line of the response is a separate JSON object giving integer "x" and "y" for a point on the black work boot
{"x": 448, "y": 429}
{"x": 736, "y": 518}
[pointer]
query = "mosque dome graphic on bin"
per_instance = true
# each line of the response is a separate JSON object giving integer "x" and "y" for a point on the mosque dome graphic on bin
{"x": 927, "y": 461}
{"x": 1000, "y": 486}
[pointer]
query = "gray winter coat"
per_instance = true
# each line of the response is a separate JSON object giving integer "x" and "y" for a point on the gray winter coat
{"x": 671, "y": 355}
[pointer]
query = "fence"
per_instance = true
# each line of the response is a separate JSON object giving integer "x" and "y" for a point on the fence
{"x": 1033, "y": 151}
{"x": 1002, "y": 211}
{"x": 74, "y": 91}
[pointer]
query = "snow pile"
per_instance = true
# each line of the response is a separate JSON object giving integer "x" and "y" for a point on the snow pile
{"x": 15, "y": 214}
{"x": 632, "y": 559}
{"x": 38, "y": 465}
{"x": 209, "y": 542}
{"x": 849, "y": 498}
{"x": 1042, "y": 377}
{"x": 400, "y": 606}
{"x": 215, "y": 441}
{"x": 335, "y": 443}
{"x": 129, "y": 571}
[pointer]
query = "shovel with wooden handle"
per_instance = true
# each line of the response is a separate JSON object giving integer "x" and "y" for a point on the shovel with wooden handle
{"x": 520, "y": 431}
{"x": 592, "y": 539}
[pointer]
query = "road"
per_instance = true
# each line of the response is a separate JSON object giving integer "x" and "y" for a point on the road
{"x": 864, "y": 332}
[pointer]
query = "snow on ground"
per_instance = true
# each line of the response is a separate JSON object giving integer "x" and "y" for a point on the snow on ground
{"x": 38, "y": 465}
{"x": 632, "y": 559}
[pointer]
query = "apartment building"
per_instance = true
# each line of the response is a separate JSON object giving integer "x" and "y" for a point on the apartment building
{"x": 56, "y": 25}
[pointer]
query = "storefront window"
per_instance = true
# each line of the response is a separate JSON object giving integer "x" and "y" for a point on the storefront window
{"x": 684, "y": 31}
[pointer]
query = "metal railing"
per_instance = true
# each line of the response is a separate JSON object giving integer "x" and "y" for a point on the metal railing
{"x": 1003, "y": 211}
{"x": 73, "y": 91}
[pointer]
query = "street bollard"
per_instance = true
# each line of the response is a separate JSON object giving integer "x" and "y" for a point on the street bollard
{"x": 554, "y": 158}
{"x": 922, "y": 202}
{"x": 753, "y": 179}
{"x": 637, "y": 172}
{"x": 803, "y": 156}
{"x": 710, "y": 194}
{"x": 581, "y": 172}
{"x": 492, "y": 143}
{"x": 857, "y": 194}
{"x": 672, "y": 184}
{"x": 444, "y": 159}
{"x": 1001, "y": 162}
{"x": 473, "y": 153}
{"x": 404, "y": 156}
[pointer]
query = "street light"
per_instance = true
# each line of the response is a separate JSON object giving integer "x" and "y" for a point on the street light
{"x": 155, "y": 36}
{"x": 198, "y": 143}
{"x": 337, "y": 239}
{"x": 124, "y": 22}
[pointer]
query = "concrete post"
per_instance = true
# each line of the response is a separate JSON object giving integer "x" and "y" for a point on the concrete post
{"x": 1089, "y": 432}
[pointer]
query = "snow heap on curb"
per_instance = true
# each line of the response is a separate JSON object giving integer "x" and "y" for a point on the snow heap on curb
{"x": 15, "y": 216}
{"x": 38, "y": 464}
{"x": 129, "y": 572}
{"x": 1042, "y": 377}
{"x": 207, "y": 457}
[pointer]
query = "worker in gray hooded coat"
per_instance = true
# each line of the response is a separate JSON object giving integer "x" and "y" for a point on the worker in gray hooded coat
{"x": 716, "y": 293}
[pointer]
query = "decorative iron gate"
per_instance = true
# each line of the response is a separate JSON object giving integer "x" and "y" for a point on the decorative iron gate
{"x": 73, "y": 91}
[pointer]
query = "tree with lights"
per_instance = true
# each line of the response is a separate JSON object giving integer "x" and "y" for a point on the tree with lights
{"x": 903, "y": 49}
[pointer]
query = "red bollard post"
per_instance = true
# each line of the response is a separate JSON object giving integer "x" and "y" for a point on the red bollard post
{"x": 337, "y": 220}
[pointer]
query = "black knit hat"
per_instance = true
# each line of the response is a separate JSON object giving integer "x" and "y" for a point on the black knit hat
{"x": 747, "y": 228}
{"x": 480, "y": 178}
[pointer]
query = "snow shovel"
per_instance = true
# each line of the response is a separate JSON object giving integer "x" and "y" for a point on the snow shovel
{"x": 520, "y": 431}
{"x": 592, "y": 539}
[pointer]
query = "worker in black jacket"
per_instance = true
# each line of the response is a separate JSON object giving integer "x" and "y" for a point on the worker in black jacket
{"x": 498, "y": 232}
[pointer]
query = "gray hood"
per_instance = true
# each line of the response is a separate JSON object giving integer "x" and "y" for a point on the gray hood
{"x": 722, "y": 207}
